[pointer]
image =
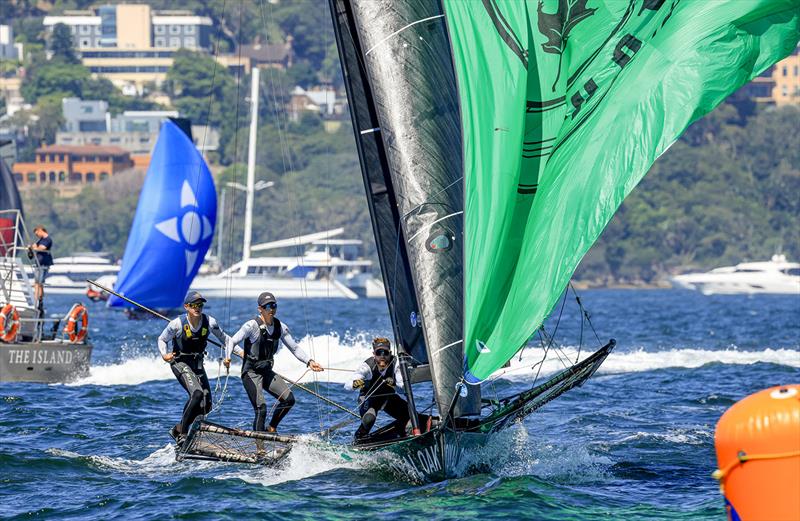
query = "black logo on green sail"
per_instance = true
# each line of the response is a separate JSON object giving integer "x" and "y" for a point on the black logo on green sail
{"x": 557, "y": 26}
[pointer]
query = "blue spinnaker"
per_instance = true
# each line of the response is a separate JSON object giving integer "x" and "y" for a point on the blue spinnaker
{"x": 173, "y": 226}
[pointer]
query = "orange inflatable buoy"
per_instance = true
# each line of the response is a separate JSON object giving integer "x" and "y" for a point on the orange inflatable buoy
{"x": 77, "y": 315}
{"x": 9, "y": 323}
{"x": 758, "y": 453}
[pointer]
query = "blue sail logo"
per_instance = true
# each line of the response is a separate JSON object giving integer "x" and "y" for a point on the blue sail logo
{"x": 189, "y": 228}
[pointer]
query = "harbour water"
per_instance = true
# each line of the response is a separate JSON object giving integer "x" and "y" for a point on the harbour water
{"x": 635, "y": 442}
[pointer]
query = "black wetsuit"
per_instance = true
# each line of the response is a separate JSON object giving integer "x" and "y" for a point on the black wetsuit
{"x": 258, "y": 376}
{"x": 376, "y": 394}
{"x": 187, "y": 366}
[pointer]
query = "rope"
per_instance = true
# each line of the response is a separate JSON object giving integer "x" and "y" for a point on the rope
{"x": 742, "y": 458}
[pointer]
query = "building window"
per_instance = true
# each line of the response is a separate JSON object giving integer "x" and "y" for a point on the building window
{"x": 75, "y": 178}
{"x": 18, "y": 178}
{"x": 52, "y": 177}
{"x": 86, "y": 42}
{"x": 90, "y": 177}
{"x": 62, "y": 176}
{"x": 85, "y": 29}
{"x": 796, "y": 71}
{"x": 42, "y": 177}
{"x": 784, "y": 90}
{"x": 189, "y": 42}
{"x": 160, "y": 41}
{"x": 103, "y": 176}
{"x": 32, "y": 177}
{"x": 785, "y": 71}
{"x": 174, "y": 29}
{"x": 174, "y": 42}
{"x": 159, "y": 29}
{"x": 188, "y": 29}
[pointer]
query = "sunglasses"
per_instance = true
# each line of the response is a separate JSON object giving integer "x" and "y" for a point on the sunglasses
{"x": 196, "y": 305}
{"x": 270, "y": 305}
{"x": 382, "y": 352}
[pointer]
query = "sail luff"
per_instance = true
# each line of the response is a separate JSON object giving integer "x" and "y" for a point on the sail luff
{"x": 381, "y": 198}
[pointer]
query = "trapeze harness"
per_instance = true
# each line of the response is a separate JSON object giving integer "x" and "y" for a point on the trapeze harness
{"x": 264, "y": 348}
{"x": 190, "y": 348}
{"x": 376, "y": 385}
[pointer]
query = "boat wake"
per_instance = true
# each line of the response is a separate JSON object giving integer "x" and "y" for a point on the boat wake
{"x": 344, "y": 354}
{"x": 154, "y": 464}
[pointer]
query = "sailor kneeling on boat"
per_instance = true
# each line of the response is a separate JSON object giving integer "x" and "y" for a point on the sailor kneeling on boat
{"x": 189, "y": 336}
{"x": 262, "y": 337}
{"x": 376, "y": 379}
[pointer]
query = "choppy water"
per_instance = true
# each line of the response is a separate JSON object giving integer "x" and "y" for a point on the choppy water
{"x": 635, "y": 442}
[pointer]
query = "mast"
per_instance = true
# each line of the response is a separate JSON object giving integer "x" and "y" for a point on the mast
{"x": 251, "y": 171}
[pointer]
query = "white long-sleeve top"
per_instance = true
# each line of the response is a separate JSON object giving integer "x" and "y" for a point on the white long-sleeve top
{"x": 250, "y": 330}
{"x": 174, "y": 328}
{"x": 365, "y": 373}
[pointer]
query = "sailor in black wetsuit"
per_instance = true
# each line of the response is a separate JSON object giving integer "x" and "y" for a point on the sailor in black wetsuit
{"x": 189, "y": 336}
{"x": 376, "y": 380}
{"x": 262, "y": 337}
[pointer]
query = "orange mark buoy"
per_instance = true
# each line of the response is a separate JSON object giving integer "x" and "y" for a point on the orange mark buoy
{"x": 758, "y": 453}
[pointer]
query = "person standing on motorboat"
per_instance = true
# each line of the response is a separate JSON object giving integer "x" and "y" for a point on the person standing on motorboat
{"x": 376, "y": 380}
{"x": 189, "y": 337}
{"x": 262, "y": 337}
{"x": 41, "y": 248}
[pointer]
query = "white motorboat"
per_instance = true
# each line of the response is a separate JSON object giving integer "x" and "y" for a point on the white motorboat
{"x": 774, "y": 276}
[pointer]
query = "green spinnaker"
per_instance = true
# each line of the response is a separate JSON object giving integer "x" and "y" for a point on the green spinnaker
{"x": 565, "y": 105}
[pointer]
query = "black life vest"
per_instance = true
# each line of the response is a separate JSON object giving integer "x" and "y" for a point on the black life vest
{"x": 189, "y": 342}
{"x": 267, "y": 344}
{"x": 377, "y": 382}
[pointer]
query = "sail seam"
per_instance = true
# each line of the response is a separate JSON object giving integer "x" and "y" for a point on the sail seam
{"x": 400, "y": 31}
{"x": 432, "y": 223}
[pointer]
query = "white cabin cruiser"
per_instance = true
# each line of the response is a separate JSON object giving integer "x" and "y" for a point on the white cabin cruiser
{"x": 774, "y": 276}
{"x": 68, "y": 275}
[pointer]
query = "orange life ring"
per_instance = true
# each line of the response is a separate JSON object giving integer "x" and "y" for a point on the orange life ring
{"x": 78, "y": 313}
{"x": 9, "y": 328}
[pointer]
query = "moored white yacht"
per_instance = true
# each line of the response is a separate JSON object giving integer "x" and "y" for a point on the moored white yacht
{"x": 68, "y": 275}
{"x": 774, "y": 276}
{"x": 329, "y": 268}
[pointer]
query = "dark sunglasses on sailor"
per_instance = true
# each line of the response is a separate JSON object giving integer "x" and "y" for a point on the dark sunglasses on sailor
{"x": 196, "y": 305}
{"x": 382, "y": 352}
{"x": 270, "y": 305}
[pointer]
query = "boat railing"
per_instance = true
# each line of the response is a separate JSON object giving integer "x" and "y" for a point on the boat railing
{"x": 15, "y": 282}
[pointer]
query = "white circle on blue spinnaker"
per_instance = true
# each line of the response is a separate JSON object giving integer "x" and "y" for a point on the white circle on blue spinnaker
{"x": 191, "y": 228}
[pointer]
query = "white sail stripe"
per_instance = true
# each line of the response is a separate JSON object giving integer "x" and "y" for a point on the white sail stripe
{"x": 401, "y": 30}
{"x": 445, "y": 347}
{"x": 370, "y": 130}
{"x": 434, "y": 222}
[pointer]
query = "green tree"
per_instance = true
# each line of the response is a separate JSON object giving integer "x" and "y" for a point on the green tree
{"x": 61, "y": 44}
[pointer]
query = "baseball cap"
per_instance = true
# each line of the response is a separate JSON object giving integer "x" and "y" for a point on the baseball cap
{"x": 193, "y": 296}
{"x": 265, "y": 298}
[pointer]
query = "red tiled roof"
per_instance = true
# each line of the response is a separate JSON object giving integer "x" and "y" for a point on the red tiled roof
{"x": 83, "y": 150}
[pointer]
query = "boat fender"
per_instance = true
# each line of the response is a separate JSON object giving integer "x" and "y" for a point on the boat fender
{"x": 78, "y": 314}
{"x": 9, "y": 323}
{"x": 758, "y": 453}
